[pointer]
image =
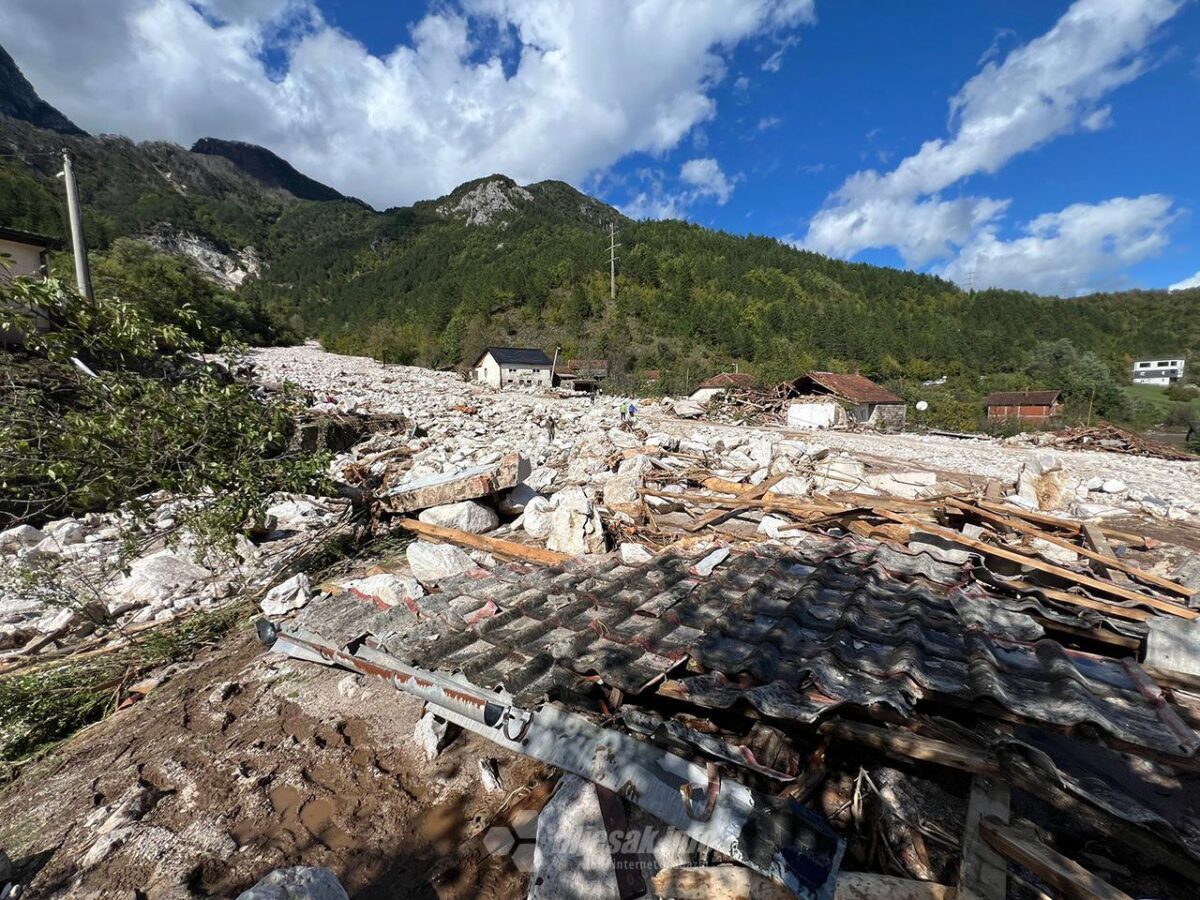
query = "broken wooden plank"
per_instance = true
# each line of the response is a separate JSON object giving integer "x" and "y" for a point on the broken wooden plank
{"x": 982, "y": 873}
{"x": 869, "y": 886}
{"x": 1033, "y": 562}
{"x": 1095, "y": 540}
{"x": 471, "y": 484}
{"x": 1132, "y": 613}
{"x": 1104, "y": 558}
{"x": 1026, "y": 849}
{"x": 1070, "y": 525}
{"x": 495, "y": 546}
{"x": 717, "y": 883}
{"x": 906, "y": 745}
{"x": 718, "y": 516}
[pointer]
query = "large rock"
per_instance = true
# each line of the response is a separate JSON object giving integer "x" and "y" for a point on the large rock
{"x": 575, "y": 526}
{"x": 908, "y": 485}
{"x": 387, "y": 588}
{"x": 687, "y": 409}
{"x": 571, "y": 857}
{"x": 298, "y": 883}
{"x": 622, "y": 489}
{"x": 513, "y": 502}
{"x": 536, "y": 518}
{"x": 300, "y": 514}
{"x": 791, "y": 486}
{"x": 288, "y": 596}
{"x": 1043, "y": 481}
{"x": 432, "y": 563}
{"x": 159, "y": 577}
{"x": 20, "y": 537}
{"x": 465, "y": 516}
{"x": 635, "y": 554}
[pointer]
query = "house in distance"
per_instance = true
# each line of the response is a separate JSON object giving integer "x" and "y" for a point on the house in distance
{"x": 521, "y": 366}
{"x": 865, "y": 402}
{"x": 25, "y": 252}
{"x": 719, "y": 384}
{"x": 1023, "y": 406}
{"x": 582, "y": 374}
{"x": 1159, "y": 370}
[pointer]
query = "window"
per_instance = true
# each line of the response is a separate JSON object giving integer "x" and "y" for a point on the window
{"x": 1145, "y": 365}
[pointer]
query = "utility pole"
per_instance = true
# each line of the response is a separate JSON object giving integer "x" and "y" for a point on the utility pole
{"x": 612, "y": 260}
{"x": 83, "y": 276}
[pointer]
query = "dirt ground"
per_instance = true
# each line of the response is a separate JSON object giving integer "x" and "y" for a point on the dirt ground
{"x": 247, "y": 762}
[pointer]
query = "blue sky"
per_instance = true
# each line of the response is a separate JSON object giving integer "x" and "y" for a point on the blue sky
{"x": 1041, "y": 145}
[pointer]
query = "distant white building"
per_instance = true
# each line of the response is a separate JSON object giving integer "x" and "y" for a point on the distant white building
{"x": 1162, "y": 372}
{"x": 522, "y": 366}
{"x": 24, "y": 254}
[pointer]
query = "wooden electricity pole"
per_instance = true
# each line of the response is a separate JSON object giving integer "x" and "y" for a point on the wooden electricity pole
{"x": 83, "y": 276}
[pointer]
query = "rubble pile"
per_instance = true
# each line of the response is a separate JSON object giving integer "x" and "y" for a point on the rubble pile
{"x": 1107, "y": 437}
{"x": 805, "y": 668}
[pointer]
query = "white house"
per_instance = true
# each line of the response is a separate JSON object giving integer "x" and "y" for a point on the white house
{"x": 1158, "y": 371}
{"x": 522, "y": 366}
{"x": 25, "y": 252}
{"x": 719, "y": 384}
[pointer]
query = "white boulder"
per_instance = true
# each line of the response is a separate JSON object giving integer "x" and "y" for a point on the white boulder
{"x": 536, "y": 518}
{"x": 389, "y": 589}
{"x": 20, "y": 537}
{"x": 466, "y": 515}
{"x": 287, "y": 596}
{"x": 575, "y": 526}
{"x": 432, "y": 563}
{"x": 158, "y": 577}
{"x": 297, "y": 883}
{"x": 635, "y": 554}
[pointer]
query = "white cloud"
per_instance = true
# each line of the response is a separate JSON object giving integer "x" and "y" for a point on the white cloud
{"x": 707, "y": 179}
{"x": 700, "y": 179}
{"x": 1051, "y": 86}
{"x": 1193, "y": 282}
{"x": 1082, "y": 246}
{"x": 766, "y": 123}
{"x": 595, "y": 80}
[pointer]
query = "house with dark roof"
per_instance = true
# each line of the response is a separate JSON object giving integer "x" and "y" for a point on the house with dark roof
{"x": 719, "y": 384}
{"x": 865, "y": 402}
{"x": 582, "y": 374}
{"x": 1025, "y": 406}
{"x": 521, "y": 366}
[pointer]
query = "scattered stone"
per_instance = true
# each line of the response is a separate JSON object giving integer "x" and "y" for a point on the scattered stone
{"x": 575, "y": 526}
{"x": 792, "y": 486}
{"x": 489, "y": 775}
{"x": 621, "y": 490}
{"x": 159, "y": 577}
{"x": 1044, "y": 482}
{"x": 1114, "y": 486}
{"x": 297, "y": 883}
{"x": 571, "y": 857}
{"x": 705, "y": 567}
{"x": 287, "y": 597}
{"x": 432, "y": 563}
{"x": 387, "y": 588}
{"x": 20, "y": 537}
{"x": 514, "y": 502}
{"x": 635, "y": 554}
{"x": 775, "y": 527}
{"x": 467, "y": 515}
{"x": 434, "y": 734}
{"x": 536, "y": 518}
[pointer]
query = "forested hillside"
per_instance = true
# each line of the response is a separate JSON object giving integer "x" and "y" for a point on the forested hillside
{"x": 494, "y": 262}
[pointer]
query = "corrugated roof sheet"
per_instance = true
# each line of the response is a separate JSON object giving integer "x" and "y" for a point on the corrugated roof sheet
{"x": 854, "y": 388}
{"x": 794, "y": 635}
{"x": 517, "y": 356}
{"x": 31, "y": 238}
{"x": 1022, "y": 398}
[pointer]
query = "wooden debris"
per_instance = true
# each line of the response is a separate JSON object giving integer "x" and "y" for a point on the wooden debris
{"x": 495, "y": 546}
{"x": 869, "y": 886}
{"x": 1096, "y": 541}
{"x": 717, "y": 883}
{"x": 1026, "y": 849}
{"x": 720, "y": 515}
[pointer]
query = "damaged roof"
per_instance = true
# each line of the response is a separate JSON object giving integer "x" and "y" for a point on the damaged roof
{"x": 796, "y": 635}
{"x": 728, "y": 379}
{"x": 1022, "y": 398}
{"x": 853, "y": 388}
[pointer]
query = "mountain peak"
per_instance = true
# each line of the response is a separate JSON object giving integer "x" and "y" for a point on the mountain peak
{"x": 497, "y": 199}
{"x": 268, "y": 168}
{"x": 19, "y": 100}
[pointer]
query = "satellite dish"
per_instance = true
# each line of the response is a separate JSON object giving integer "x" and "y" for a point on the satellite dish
{"x": 922, "y": 406}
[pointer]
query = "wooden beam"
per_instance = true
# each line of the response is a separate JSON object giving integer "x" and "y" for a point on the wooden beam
{"x": 1109, "y": 609}
{"x": 1065, "y": 524}
{"x": 1094, "y": 538}
{"x": 495, "y": 546}
{"x": 982, "y": 873}
{"x": 717, "y": 883}
{"x": 718, "y": 516}
{"x": 906, "y": 745}
{"x": 1061, "y": 873}
{"x": 869, "y": 886}
{"x": 1106, "y": 559}
{"x": 1041, "y": 565}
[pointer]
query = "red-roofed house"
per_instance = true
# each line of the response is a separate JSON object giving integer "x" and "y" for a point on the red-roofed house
{"x": 866, "y": 402}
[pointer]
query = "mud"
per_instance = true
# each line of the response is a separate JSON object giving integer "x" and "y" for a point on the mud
{"x": 248, "y": 762}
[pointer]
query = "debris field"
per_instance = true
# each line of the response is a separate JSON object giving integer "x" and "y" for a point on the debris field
{"x": 784, "y": 663}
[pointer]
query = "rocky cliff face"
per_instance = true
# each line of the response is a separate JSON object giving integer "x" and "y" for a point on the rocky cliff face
{"x": 486, "y": 202}
{"x": 228, "y": 268}
{"x": 19, "y": 100}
